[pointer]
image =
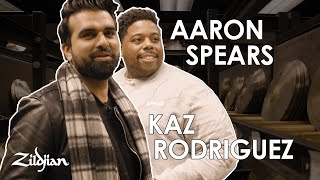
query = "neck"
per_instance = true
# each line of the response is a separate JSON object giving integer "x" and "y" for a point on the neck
{"x": 127, "y": 75}
{"x": 98, "y": 87}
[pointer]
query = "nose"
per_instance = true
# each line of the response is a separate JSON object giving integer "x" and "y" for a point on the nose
{"x": 102, "y": 40}
{"x": 148, "y": 44}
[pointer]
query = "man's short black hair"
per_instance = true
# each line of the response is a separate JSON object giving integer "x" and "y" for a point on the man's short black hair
{"x": 133, "y": 15}
{"x": 71, "y": 7}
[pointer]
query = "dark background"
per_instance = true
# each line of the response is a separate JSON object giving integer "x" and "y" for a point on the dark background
{"x": 294, "y": 34}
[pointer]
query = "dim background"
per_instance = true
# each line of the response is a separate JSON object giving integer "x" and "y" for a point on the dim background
{"x": 29, "y": 51}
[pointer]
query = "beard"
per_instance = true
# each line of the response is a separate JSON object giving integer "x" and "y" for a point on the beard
{"x": 97, "y": 70}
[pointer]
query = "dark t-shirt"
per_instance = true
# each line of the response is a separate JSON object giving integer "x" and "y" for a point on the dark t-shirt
{"x": 127, "y": 161}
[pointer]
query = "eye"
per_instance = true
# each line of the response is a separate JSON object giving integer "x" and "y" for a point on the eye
{"x": 88, "y": 35}
{"x": 109, "y": 33}
{"x": 136, "y": 40}
{"x": 155, "y": 39}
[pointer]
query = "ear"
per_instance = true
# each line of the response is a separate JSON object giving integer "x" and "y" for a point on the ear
{"x": 122, "y": 50}
{"x": 67, "y": 52}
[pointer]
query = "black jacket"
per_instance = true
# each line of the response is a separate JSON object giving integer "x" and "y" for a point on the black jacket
{"x": 40, "y": 124}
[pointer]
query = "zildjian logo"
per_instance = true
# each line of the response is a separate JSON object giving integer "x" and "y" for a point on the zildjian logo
{"x": 37, "y": 160}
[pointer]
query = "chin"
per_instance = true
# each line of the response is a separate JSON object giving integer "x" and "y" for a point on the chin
{"x": 149, "y": 72}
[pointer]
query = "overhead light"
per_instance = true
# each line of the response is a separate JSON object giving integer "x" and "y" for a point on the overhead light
{"x": 15, "y": 47}
{"x": 176, "y": 5}
{"x": 276, "y": 6}
{"x": 120, "y": 6}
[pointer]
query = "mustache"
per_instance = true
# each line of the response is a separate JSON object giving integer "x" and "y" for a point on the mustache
{"x": 102, "y": 52}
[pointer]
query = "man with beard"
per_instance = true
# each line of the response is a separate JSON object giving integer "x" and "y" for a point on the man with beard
{"x": 81, "y": 126}
{"x": 156, "y": 88}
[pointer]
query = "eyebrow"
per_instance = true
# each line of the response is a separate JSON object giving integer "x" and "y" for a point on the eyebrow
{"x": 94, "y": 30}
{"x": 141, "y": 34}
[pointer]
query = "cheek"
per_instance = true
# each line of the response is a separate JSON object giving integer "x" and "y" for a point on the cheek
{"x": 129, "y": 51}
{"x": 82, "y": 47}
{"x": 129, "y": 56}
{"x": 160, "y": 47}
{"x": 160, "y": 51}
{"x": 115, "y": 45}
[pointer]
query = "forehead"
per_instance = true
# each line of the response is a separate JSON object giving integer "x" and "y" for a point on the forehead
{"x": 143, "y": 27}
{"x": 93, "y": 19}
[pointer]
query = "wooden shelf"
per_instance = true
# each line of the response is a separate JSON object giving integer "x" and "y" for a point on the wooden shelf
{"x": 301, "y": 132}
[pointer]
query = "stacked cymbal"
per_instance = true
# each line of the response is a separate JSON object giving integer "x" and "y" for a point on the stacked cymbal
{"x": 313, "y": 163}
{"x": 252, "y": 94}
{"x": 287, "y": 95}
{"x": 225, "y": 88}
{"x": 232, "y": 95}
{"x": 314, "y": 101}
{"x": 19, "y": 89}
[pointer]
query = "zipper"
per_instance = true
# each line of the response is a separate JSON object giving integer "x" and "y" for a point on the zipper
{"x": 116, "y": 112}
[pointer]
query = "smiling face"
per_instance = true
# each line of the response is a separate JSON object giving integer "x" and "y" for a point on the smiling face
{"x": 94, "y": 46}
{"x": 142, "y": 49}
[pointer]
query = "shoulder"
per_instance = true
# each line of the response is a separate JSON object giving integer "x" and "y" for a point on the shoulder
{"x": 48, "y": 95}
{"x": 183, "y": 80}
{"x": 48, "y": 91}
{"x": 119, "y": 75}
{"x": 45, "y": 102}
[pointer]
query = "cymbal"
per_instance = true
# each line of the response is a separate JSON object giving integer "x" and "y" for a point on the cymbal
{"x": 313, "y": 164}
{"x": 300, "y": 103}
{"x": 314, "y": 101}
{"x": 286, "y": 94}
{"x": 19, "y": 89}
{"x": 251, "y": 96}
{"x": 225, "y": 88}
{"x": 232, "y": 95}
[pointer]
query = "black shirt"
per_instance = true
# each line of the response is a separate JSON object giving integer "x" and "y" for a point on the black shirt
{"x": 127, "y": 161}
